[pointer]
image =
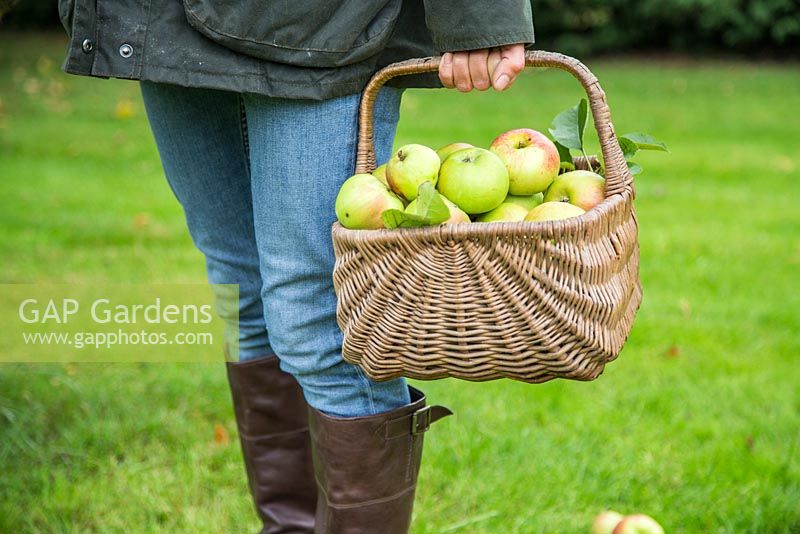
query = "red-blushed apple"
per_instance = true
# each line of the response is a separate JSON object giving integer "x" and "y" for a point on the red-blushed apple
{"x": 409, "y": 167}
{"x": 528, "y": 202}
{"x": 380, "y": 174}
{"x": 553, "y": 211}
{"x": 456, "y": 214}
{"x": 474, "y": 179}
{"x": 507, "y": 211}
{"x": 638, "y": 524}
{"x": 606, "y": 522}
{"x": 449, "y": 149}
{"x": 361, "y": 200}
{"x": 531, "y": 158}
{"x": 584, "y": 189}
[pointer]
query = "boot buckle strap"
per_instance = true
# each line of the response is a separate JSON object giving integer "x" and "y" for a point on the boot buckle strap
{"x": 421, "y": 420}
{"x": 414, "y": 423}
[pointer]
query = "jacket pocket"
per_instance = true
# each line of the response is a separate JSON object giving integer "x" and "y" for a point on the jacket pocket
{"x": 65, "y": 9}
{"x": 306, "y": 33}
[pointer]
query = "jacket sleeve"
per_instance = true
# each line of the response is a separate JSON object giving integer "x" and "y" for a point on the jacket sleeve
{"x": 469, "y": 24}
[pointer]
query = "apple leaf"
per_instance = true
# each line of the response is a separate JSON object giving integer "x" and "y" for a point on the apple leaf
{"x": 395, "y": 218}
{"x": 430, "y": 204}
{"x": 569, "y": 125}
{"x": 563, "y": 153}
{"x": 645, "y": 142}
{"x": 635, "y": 168}
{"x": 429, "y": 210}
{"x": 566, "y": 167}
{"x": 629, "y": 147}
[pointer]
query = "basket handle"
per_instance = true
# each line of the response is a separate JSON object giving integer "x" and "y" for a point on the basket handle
{"x": 618, "y": 177}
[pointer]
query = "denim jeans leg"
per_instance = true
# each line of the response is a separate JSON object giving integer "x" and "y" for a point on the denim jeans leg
{"x": 200, "y": 137}
{"x": 300, "y": 153}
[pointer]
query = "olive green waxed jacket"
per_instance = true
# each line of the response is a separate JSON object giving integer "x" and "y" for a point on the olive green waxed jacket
{"x": 310, "y": 49}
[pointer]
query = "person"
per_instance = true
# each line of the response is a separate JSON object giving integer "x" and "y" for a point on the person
{"x": 253, "y": 106}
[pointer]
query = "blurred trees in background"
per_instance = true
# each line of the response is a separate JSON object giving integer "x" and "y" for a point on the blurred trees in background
{"x": 586, "y": 27}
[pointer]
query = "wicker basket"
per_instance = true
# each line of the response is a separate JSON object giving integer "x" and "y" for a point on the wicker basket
{"x": 531, "y": 301}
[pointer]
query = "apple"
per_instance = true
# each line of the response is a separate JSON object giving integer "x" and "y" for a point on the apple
{"x": 553, "y": 211}
{"x": 474, "y": 179}
{"x": 528, "y": 202}
{"x": 584, "y": 189}
{"x": 361, "y": 200}
{"x": 449, "y": 149}
{"x": 507, "y": 211}
{"x": 456, "y": 214}
{"x": 531, "y": 158}
{"x": 606, "y": 522}
{"x": 409, "y": 167}
{"x": 380, "y": 174}
{"x": 638, "y": 524}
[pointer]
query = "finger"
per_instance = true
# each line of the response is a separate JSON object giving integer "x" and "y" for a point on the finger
{"x": 461, "y": 72}
{"x": 446, "y": 70}
{"x": 479, "y": 69}
{"x": 512, "y": 61}
{"x": 493, "y": 61}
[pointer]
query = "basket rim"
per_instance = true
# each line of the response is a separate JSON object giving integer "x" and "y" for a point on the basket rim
{"x": 450, "y": 232}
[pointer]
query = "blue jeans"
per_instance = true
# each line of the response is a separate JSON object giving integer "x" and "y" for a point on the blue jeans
{"x": 257, "y": 178}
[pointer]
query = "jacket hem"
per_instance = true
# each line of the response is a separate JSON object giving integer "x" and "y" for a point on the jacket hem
{"x": 459, "y": 45}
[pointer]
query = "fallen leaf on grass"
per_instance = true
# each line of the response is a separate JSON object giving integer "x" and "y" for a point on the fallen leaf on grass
{"x": 221, "y": 436}
{"x": 124, "y": 110}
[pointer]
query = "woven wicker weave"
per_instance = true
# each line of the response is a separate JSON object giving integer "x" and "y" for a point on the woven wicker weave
{"x": 530, "y": 301}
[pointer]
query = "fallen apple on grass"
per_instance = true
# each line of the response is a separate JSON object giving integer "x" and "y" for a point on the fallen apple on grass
{"x": 474, "y": 179}
{"x": 606, "y": 522}
{"x": 553, "y": 211}
{"x": 361, "y": 200}
{"x": 638, "y": 524}
{"x": 584, "y": 189}
{"x": 409, "y": 167}
{"x": 531, "y": 158}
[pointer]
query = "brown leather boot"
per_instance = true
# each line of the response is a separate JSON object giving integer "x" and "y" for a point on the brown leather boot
{"x": 367, "y": 467}
{"x": 272, "y": 418}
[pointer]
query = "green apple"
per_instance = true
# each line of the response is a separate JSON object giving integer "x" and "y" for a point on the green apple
{"x": 380, "y": 174}
{"x": 507, "y": 211}
{"x": 456, "y": 214}
{"x": 474, "y": 179}
{"x": 584, "y": 189}
{"x": 361, "y": 200}
{"x": 606, "y": 522}
{"x": 449, "y": 149}
{"x": 638, "y": 524}
{"x": 553, "y": 211}
{"x": 528, "y": 202}
{"x": 409, "y": 167}
{"x": 531, "y": 158}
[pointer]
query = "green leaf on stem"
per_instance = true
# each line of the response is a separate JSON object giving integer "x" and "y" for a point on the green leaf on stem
{"x": 429, "y": 210}
{"x": 646, "y": 141}
{"x": 629, "y": 147}
{"x": 635, "y": 168}
{"x": 564, "y": 154}
{"x": 569, "y": 125}
{"x": 430, "y": 204}
{"x": 395, "y": 218}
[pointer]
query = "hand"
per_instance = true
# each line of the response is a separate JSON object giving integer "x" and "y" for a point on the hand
{"x": 481, "y": 69}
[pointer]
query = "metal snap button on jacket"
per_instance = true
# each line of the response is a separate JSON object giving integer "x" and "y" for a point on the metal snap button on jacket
{"x": 126, "y": 50}
{"x": 87, "y": 45}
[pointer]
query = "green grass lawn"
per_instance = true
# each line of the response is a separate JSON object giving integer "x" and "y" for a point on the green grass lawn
{"x": 697, "y": 423}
